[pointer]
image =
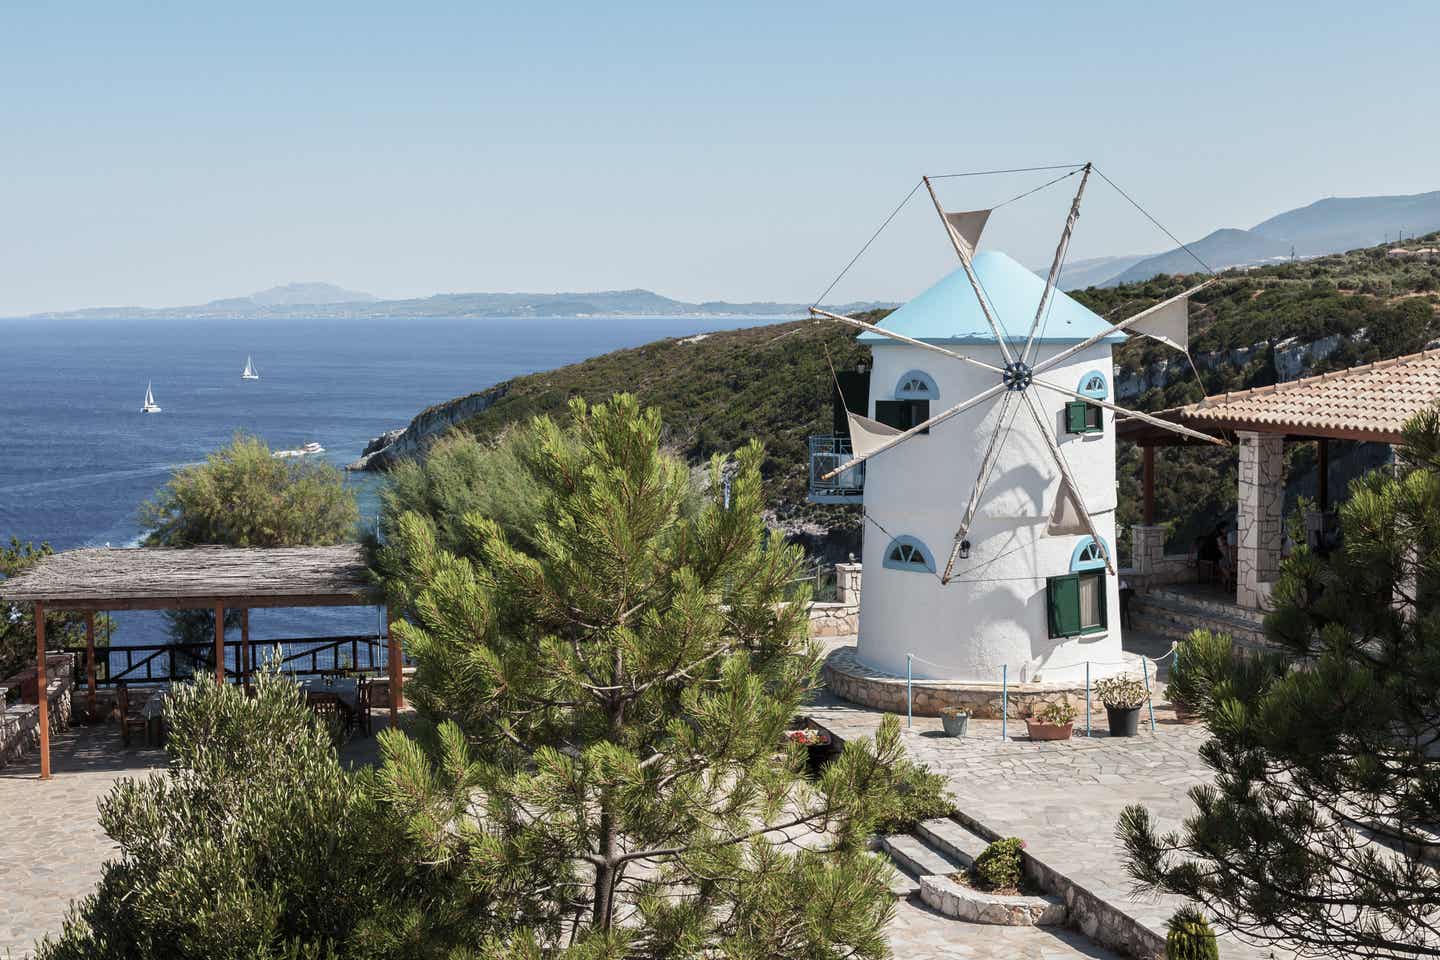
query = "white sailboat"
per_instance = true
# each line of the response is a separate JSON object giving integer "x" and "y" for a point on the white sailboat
{"x": 150, "y": 405}
{"x": 250, "y": 372}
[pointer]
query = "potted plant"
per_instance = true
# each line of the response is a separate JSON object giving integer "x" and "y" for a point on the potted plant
{"x": 816, "y": 744}
{"x": 1054, "y": 721}
{"x": 954, "y": 720}
{"x": 1123, "y": 695}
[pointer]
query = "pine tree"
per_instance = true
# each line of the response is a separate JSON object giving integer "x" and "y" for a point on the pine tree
{"x": 606, "y": 768}
{"x": 1318, "y": 827}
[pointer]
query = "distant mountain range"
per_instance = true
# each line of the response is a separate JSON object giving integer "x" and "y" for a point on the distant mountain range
{"x": 325, "y": 300}
{"x": 1333, "y": 225}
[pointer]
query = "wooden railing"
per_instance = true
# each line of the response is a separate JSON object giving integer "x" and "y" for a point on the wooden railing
{"x": 164, "y": 662}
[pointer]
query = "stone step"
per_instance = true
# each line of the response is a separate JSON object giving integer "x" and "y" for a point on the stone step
{"x": 957, "y": 843}
{"x": 1218, "y": 607}
{"x": 916, "y": 858}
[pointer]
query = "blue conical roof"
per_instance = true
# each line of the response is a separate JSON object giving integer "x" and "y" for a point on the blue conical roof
{"x": 948, "y": 312}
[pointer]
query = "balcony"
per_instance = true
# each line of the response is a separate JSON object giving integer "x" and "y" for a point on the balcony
{"x": 826, "y": 453}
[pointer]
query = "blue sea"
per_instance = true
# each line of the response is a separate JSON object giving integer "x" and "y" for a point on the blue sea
{"x": 77, "y": 457}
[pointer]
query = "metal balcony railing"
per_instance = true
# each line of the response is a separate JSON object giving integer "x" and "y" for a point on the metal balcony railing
{"x": 826, "y": 453}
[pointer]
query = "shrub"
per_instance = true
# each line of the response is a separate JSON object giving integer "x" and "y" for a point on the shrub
{"x": 998, "y": 866}
{"x": 1121, "y": 692}
{"x": 1199, "y": 658}
{"x": 919, "y": 795}
{"x": 1190, "y": 936}
{"x": 1059, "y": 712}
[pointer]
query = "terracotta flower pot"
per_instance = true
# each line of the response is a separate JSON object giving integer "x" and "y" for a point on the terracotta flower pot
{"x": 1049, "y": 731}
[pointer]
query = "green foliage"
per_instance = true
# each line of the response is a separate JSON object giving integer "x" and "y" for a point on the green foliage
{"x": 1334, "y": 729}
{"x": 242, "y": 496}
{"x": 17, "y": 622}
{"x": 463, "y": 475}
{"x": 1123, "y": 691}
{"x": 1059, "y": 712}
{"x": 1198, "y": 658}
{"x": 254, "y": 843}
{"x": 918, "y": 795}
{"x": 1189, "y": 936}
{"x": 999, "y": 865}
{"x": 605, "y": 708}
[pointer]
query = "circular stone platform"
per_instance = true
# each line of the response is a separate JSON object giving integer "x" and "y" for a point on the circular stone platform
{"x": 848, "y": 677}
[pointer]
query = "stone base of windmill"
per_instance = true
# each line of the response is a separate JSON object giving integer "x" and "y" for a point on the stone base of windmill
{"x": 848, "y": 677}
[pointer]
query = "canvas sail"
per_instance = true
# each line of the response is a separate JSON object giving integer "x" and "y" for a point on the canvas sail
{"x": 966, "y": 228}
{"x": 1066, "y": 518}
{"x": 866, "y": 435}
{"x": 1168, "y": 322}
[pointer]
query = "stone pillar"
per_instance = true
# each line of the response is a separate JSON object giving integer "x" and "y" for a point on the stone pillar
{"x": 1148, "y": 547}
{"x": 847, "y": 583}
{"x": 1260, "y": 521}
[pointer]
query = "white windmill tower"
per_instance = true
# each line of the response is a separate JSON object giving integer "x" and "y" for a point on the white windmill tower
{"x": 992, "y": 521}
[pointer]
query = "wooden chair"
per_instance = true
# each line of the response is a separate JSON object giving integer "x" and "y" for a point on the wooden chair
{"x": 331, "y": 709}
{"x": 362, "y": 705}
{"x": 126, "y": 713}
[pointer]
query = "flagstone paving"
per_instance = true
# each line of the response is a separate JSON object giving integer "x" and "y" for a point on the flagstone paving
{"x": 1063, "y": 798}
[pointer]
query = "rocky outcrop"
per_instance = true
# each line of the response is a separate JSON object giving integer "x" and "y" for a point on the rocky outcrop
{"x": 429, "y": 425}
{"x": 1292, "y": 358}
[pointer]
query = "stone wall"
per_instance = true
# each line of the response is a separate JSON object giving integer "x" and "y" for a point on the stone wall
{"x": 1260, "y": 521}
{"x": 846, "y": 676}
{"x": 834, "y": 619}
{"x": 20, "y": 722}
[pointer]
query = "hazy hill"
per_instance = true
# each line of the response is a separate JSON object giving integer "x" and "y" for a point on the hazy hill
{"x": 323, "y": 300}
{"x": 1325, "y": 226}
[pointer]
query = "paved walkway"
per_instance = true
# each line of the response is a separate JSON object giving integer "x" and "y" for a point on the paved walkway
{"x": 51, "y": 844}
{"x": 1062, "y": 797}
{"x": 919, "y": 933}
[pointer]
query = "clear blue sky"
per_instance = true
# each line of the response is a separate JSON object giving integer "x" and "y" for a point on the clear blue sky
{"x": 163, "y": 154}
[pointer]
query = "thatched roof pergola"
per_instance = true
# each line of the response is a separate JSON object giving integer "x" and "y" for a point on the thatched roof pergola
{"x": 217, "y": 578}
{"x": 200, "y": 577}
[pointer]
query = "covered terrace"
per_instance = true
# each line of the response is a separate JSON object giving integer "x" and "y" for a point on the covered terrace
{"x": 207, "y": 578}
{"x": 1367, "y": 403}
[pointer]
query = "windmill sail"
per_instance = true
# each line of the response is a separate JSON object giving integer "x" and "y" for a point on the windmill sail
{"x": 965, "y": 228}
{"x": 1168, "y": 322}
{"x": 866, "y": 435}
{"x": 1066, "y": 518}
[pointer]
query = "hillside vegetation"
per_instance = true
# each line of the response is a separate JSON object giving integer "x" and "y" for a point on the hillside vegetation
{"x": 773, "y": 382}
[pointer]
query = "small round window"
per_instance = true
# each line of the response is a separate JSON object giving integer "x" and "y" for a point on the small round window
{"x": 1094, "y": 385}
{"x": 908, "y": 553}
{"x": 917, "y": 385}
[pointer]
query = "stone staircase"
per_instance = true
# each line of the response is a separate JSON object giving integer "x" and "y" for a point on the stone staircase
{"x": 1173, "y": 614}
{"x": 926, "y": 859}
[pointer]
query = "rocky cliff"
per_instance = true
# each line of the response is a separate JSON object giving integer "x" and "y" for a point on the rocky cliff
{"x": 428, "y": 426}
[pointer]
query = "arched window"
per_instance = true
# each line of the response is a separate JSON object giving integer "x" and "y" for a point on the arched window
{"x": 908, "y": 553}
{"x": 917, "y": 385}
{"x": 1093, "y": 385}
{"x": 1088, "y": 555}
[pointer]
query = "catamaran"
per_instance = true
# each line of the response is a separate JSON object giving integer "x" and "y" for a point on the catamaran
{"x": 150, "y": 405}
{"x": 250, "y": 372}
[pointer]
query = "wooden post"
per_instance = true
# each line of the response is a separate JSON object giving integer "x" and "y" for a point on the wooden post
{"x": 41, "y": 686}
{"x": 219, "y": 643}
{"x": 90, "y": 658}
{"x": 397, "y": 672}
{"x": 1148, "y": 484}
{"x": 246, "y": 667}
{"x": 1324, "y": 486}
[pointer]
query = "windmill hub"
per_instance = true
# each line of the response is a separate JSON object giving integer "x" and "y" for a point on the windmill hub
{"x": 1017, "y": 375}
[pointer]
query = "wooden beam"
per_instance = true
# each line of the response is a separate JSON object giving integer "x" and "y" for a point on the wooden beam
{"x": 246, "y": 667}
{"x": 90, "y": 658}
{"x": 397, "y": 671}
{"x": 197, "y": 603}
{"x": 43, "y": 692}
{"x": 1323, "y": 451}
{"x": 219, "y": 643}
{"x": 1148, "y": 481}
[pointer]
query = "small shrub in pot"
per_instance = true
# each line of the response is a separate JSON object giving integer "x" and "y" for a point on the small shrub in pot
{"x": 1054, "y": 721}
{"x": 954, "y": 720}
{"x": 1123, "y": 695}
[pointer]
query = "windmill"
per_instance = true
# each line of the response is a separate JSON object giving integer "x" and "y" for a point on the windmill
{"x": 1018, "y": 379}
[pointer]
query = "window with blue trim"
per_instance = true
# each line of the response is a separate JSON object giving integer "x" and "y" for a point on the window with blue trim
{"x": 916, "y": 385}
{"x": 908, "y": 553}
{"x": 1088, "y": 555}
{"x": 1076, "y": 602}
{"x": 1093, "y": 385}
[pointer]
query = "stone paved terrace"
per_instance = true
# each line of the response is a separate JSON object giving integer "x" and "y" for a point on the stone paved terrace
{"x": 1063, "y": 798}
{"x": 51, "y": 844}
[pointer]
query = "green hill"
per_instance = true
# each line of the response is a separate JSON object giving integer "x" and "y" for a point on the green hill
{"x": 773, "y": 382}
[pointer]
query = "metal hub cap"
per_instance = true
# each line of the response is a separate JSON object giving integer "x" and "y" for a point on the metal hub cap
{"x": 1017, "y": 375}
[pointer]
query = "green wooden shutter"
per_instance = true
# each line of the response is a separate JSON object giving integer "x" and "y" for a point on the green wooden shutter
{"x": 919, "y": 413}
{"x": 1075, "y": 416}
{"x": 893, "y": 413}
{"x": 1062, "y": 597}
